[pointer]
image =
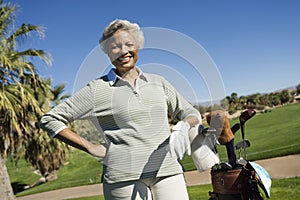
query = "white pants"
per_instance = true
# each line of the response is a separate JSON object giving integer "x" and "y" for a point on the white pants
{"x": 164, "y": 188}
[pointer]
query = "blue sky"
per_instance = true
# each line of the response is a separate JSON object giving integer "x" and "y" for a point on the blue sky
{"x": 255, "y": 45}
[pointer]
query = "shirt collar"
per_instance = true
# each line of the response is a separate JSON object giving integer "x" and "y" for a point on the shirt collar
{"x": 112, "y": 76}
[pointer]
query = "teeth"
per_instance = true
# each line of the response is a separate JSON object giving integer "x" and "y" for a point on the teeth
{"x": 124, "y": 59}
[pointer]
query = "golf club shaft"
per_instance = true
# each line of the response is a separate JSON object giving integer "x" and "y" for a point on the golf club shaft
{"x": 231, "y": 153}
{"x": 243, "y": 138}
{"x": 230, "y": 146}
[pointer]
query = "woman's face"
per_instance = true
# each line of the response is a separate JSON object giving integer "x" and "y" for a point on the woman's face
{"x": 122, "y": 50}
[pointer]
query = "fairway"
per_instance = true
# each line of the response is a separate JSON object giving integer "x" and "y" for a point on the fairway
{"x": 271, "y": 134}
{"x": 274, "y": 133}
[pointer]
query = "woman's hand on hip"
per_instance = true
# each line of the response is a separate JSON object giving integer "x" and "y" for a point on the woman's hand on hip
{"x": 97, "y": 150}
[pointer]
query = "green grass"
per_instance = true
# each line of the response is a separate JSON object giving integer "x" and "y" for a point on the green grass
{"x": 271, "y": 134}
{"x": 89, "y": 198}
{"x": 81, "y": 169}
{"x": 281, "y": 189}
{"x": 20, "y": 174}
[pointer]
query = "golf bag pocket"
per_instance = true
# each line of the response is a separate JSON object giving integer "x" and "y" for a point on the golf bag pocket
{"x": 240, "y": 183}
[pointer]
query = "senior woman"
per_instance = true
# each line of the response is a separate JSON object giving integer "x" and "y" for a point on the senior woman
{"x": 130, "y": 108}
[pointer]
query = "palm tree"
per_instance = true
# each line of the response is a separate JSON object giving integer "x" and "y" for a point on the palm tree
{"x": 24, "y": 97}
{"x": 44, "y": 153}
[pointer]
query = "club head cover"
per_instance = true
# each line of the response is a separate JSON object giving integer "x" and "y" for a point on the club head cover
{"x": 246, "y": 115}
{"x": 218, "y": 119}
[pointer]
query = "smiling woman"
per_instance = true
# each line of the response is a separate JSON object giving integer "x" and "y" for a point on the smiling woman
{"x": 131, "y": 110}
{"x": 123, "y": 53}
{"x": 116, "y": 25}
{"x": 121, "y": 41}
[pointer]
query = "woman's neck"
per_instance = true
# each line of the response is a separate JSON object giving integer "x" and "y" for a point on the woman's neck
{"x": 129, "y": 75}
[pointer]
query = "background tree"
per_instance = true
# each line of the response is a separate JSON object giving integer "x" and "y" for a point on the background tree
{"x": 234, "y": 98}
{"x": 285, "y": 96}
{"x": 243, "y": 102}
{"x": 252, "y": 100}
{"x": 264, "y": 100}
{"x": 44, "y": 153}
{"x": 275, "y": 99}
{"x": 298, "y": 89}
{"x": 225, "y": 102}
{"x": 24, "y": 97}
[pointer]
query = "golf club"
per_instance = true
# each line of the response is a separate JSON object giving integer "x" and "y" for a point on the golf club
{"x": 209, "y": 133}
{"x": 230, "y": 146}
{"x": 235, "y": 127}
{"x": 241, "y": 145}
{"x": 245, "y": 116}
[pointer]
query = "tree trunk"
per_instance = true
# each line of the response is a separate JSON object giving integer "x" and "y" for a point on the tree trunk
{"x": 6, "y": 192}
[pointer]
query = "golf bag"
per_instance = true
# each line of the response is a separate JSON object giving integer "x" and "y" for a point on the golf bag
{"x": 240, "y": 183}
{"x": 236, "y": 179}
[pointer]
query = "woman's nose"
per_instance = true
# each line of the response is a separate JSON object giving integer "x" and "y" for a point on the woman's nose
{"x": 124, "y": 49}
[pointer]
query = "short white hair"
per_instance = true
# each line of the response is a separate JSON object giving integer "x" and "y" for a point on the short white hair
{"x": 120, "y": 24}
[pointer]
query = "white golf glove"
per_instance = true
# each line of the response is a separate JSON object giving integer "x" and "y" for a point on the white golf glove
{"x": 179, "y": 143}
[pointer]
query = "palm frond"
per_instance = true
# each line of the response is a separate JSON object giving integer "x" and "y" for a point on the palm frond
{"x": 25, "y": 97}
{"x": 43, "y": 55}
{"x": 7, "y": 17}
{"x": 23, "y": 32}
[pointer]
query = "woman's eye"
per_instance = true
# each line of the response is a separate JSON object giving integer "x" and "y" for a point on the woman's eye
{"x": 130, "y": 44}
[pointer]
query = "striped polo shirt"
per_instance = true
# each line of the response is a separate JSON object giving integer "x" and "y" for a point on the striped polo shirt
{"x": 132, "y": 120}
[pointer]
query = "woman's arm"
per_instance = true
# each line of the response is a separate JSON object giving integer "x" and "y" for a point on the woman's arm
{"x": 75, "y": 140}
{"x": 78, "y": 106}
{"x": 191, "y": 120}
{"x": 179, "y": 109}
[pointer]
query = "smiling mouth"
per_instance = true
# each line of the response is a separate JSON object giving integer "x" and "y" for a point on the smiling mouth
{"x": 125, "y": 58}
